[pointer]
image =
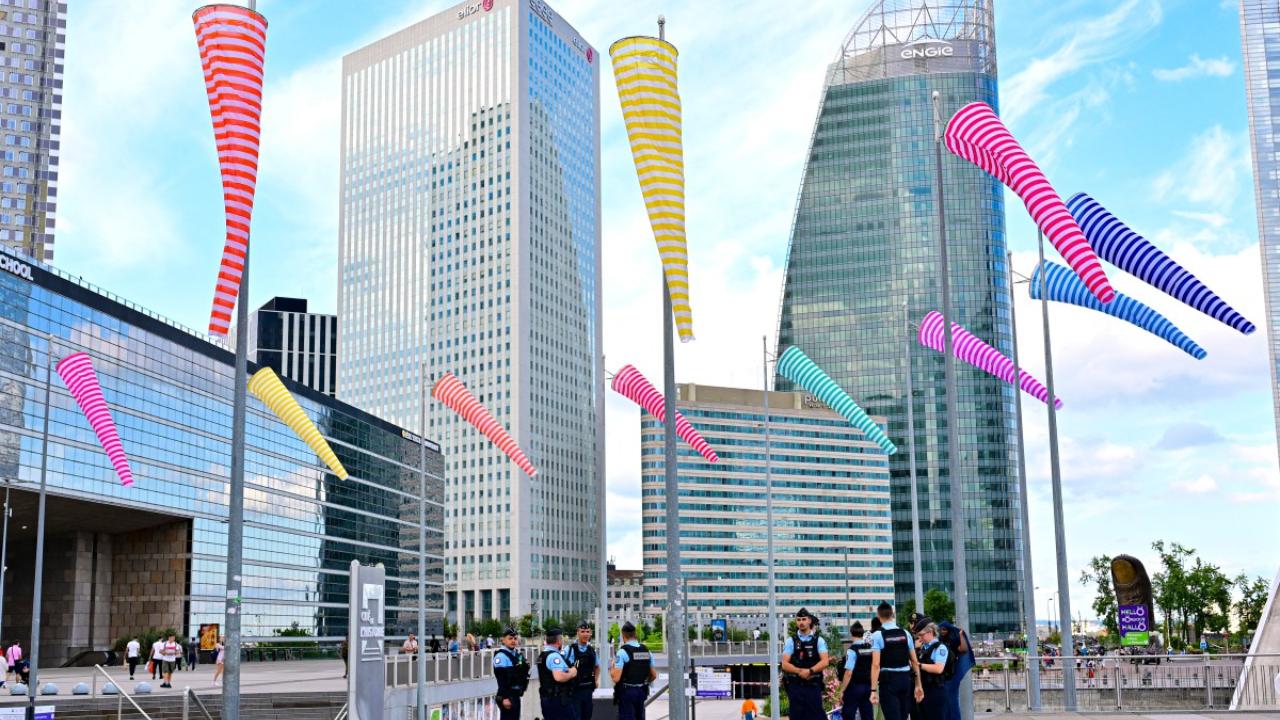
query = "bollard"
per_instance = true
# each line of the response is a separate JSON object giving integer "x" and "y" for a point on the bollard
{"x": 1119, "y": 666}
{"x": 1208, "y": 683}
{"x": 186, "y": 703}
{"x": 1008, "y": 700}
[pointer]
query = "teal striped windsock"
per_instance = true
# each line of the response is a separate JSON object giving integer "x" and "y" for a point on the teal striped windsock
{"x": 795, "y": 366}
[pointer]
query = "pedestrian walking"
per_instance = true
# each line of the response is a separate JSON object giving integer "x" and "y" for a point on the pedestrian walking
{"x": 583, "y": 657}
{"x": 556, "y": 680}
{"x": 4, "y": 670}
{"x": 959, "y": 645}
{"x": 511, "y": 671}
{"x": 410, "y": 646}
{"x": 749, "y": 708}
{"x": 855, "y": 685}
{"x": 13, "y": 655}
{"x": 193, "y": 654}
{"x": 895, "y": 670}
{"x": 936, "y": 665}
{"x": 157, "y": 658}
{"x": 220, "y": 657}
{"x": 435, "y": 645}
{"x": 804, "y": 657}
{"x": 632, "y": 671}
{"x": 170, "y": 651}
{"x": 133, "y": 655}
{"x": 342, "y": 650}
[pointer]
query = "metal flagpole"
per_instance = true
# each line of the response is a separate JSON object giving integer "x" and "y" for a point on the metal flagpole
{"x": 37, "y": 596}
{"x": 917, "y": 571}
{"x": 602, "y": 627}
{"x": 1029, "y": 588}
{"x": 4, "y": 552}
{"x": 422, "y": 541}
{"x": 959, "y": 524}
{"x": 1059, "y": 532}
{"x": 775, "y": 702}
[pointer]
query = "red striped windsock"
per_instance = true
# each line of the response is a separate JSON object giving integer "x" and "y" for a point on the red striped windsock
{"x": 76, "y": 370}
{"x": 233, "y": 43}
{"x": 636, "y": 387}
{"x": 977, "y": 135}
{"x": 450, "y": 391}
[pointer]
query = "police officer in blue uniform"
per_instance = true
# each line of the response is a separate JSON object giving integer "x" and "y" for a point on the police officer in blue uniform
{"x": 582, "y": 656}
{"x": 894, "y": 667}
{"x": 804, "y": 657}
{"x": 936, "y": 667}
{"x": 632, "y": 671}
{"x": 855, "y": 686}
{"x": 556, "y": 680}
{"x": 511, "y": 671}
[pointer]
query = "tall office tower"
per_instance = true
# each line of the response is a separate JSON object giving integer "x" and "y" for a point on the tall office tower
{"x": 470, "y": 241}
{"x": 299, "y": 345}
{"x": 832, "y": 534}
{"x": 32, "y": 49}
{"x": 865, "y": 241}
{"x": 1260, "y": 28}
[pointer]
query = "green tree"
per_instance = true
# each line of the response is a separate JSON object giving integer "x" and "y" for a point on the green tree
{"x": 1209, "y": 605}
{"x": 1098, "y": 574}
{"x": 1170, "y": 587}
{"x": 938, "y": 605}
{"x": 1253, "y": 600}
{"x": 294, "y": 630}
{"x": 527, "y": 626}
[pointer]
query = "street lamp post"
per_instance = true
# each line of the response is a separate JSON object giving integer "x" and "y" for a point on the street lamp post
{"x": 37, "y": 595}
{"x": 775, "y": 701}
{"x": 422, "y": 542}
{"x": 917, "y": 570}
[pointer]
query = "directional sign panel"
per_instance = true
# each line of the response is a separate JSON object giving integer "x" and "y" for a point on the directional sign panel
{"x": 366, "y": 633}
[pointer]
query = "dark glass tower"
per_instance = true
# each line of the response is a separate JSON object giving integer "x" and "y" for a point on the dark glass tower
{"x": 865, "y": 242}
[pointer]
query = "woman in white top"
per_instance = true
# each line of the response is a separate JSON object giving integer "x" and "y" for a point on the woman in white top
{"x": 221, "y": 650}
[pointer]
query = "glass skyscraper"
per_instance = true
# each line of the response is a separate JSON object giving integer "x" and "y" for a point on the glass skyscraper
{"x": 831, "y": 509}
{"x": 864, "y": 242}
{"x": 469, "y": 242}
{"x": 121, "y": 560}
{"x": 32, "y": 52}
{"x": 1260, "y": 29}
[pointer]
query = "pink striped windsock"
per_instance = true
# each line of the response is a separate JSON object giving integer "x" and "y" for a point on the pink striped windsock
{"x": 76, "y": 370}
{"x": 977, "y": 135}
{"x": 636, "y": 387}
{"x": 233, "y": 43}
{"x": 977, "y": 353}
{"x": 450, "y": 391}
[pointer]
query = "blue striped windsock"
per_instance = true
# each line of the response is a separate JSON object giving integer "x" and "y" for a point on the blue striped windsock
{"x": 795, "y": 366}
{"x": 1129, "y": 251}
{"x": 1064, "y": 286}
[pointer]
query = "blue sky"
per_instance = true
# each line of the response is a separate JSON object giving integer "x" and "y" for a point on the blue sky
{"x": 1140, "y": 102}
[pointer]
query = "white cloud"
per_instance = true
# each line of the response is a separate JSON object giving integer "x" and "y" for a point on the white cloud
{"x": 1213, "y": 172}
{"x": 1199, "y": 486}
{"x": 1212, "y": 219}
{"x": 1196, "y": 67}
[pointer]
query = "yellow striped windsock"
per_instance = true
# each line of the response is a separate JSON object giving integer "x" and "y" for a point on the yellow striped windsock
{"x": 645, "y": 69}
{"x": 268, "y": 388}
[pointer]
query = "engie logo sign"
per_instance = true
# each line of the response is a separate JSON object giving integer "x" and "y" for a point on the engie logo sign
{"x": 16, "y": 267}
{"x": 927, "y": 49}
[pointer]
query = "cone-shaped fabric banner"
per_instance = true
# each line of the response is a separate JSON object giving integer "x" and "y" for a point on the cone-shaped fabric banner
{"x": 795, "y": 366}
{"x": 1129, "y": 251}
{"x": 232, "y": 42}
{"x": 450, "y": 391}
{"x": 1064, "y": 286}
{"x": 645, "y": 69}
{"x": 266, "y": 385}
{"x": 977, "y": 135}
{"x": 636, "y": 387}
{"x": 76, "y": 370}
{"x": 977, "y": 353}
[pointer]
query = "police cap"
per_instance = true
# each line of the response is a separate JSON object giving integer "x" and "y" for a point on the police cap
{"x": 802, "y": 612}
{"x": 510, "y": 632}
{"x": 552, "y": 633}
{"x": 584, "y": 625}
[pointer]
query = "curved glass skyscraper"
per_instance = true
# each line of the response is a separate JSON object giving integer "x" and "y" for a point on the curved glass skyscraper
{"x": 865, "y": 242}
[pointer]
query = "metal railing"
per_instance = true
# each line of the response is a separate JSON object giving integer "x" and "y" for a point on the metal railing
{"x": 187, "y": 696}
{"x": 1130, "y": 682}
{"x": 708, "y": 648}
{"x": 122, "y": 696}
{"x": 444, "y": 667}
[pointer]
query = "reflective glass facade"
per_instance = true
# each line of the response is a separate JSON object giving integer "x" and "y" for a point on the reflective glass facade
{"x": 830, "y": 508}
{"x": 469, "y": 242}
{"x": 170, "y": 393}
{"x": 1260, "y": 28}
{"x": 32, "y": 47}
{"x": 865, "y": 241}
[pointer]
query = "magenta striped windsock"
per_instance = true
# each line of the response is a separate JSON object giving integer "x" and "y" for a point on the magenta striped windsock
{"x": 450, "y": 391}
{"x": 76, "y": 370}
{"x": 233, "y": 43}
{"x": 635, "y": 387}
{"x": 977, "y": 353}
{"x": 977, "y": 135}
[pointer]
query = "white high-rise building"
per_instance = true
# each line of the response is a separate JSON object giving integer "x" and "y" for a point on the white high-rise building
{"x": 469, "y": 241}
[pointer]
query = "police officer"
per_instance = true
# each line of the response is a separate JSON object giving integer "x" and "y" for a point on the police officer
{"x": 583, "y": 657}
{"x": 632, "y": 671}
{"x": 935, "y": 662}
{"x": 804, "y": 657}
{"x": 894, "y": 667}
{"x": 512, "y": 673}
{"x": 556, "y": 680}
{"x": 855, "y": 686}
